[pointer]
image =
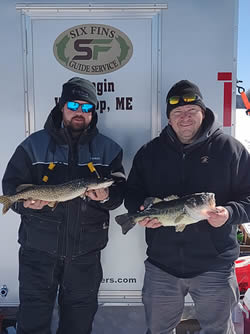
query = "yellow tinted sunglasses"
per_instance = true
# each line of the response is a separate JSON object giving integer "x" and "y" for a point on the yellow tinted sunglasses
{"x": 185, "y": 98}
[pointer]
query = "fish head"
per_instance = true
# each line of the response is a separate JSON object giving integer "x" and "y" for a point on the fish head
{"x": 99, "y": 183}
{"x": 198, "y": 205}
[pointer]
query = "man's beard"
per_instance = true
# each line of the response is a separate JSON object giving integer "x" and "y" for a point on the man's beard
{"x": 76, "y": 129}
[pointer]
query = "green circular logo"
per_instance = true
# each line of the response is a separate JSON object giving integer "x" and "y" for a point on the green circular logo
{"x": 93, "y": 49}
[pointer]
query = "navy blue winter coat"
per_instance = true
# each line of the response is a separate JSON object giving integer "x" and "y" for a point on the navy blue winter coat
{"x": 78, "y": 226}
{"x": 214, "y": 162}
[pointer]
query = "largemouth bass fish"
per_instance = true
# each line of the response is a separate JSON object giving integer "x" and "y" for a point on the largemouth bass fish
{"x": 172, "y": 211}
{"x": 54, "y": 193}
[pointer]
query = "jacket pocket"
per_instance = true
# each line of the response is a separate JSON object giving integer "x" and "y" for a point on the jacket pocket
{"x": 224, "y": 238}
{"x": 93, "y": 237}
{"x": 39, "y": 233}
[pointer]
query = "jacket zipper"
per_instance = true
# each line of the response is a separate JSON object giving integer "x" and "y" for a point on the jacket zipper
{"x": 65, "y": 247}
{"x": 183, "y": 162}
{"x": 181, "y": 251}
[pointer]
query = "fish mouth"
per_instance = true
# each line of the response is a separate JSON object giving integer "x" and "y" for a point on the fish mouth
{"x": 211, "y": 200}
{"x": 100, "y": 185}
{"x": 199, "y": 206}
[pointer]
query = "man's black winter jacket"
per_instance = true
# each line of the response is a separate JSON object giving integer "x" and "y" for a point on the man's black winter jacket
{"x": 216, "y": 163}
{"x": 78, "y": 226}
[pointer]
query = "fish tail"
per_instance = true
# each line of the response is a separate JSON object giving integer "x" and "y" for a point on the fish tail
{"x": 126, "y": 222}
{"x": 6, "y": 203}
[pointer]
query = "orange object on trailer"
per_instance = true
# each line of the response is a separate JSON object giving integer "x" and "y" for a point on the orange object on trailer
{"x": 245, "y": 100}
{"x": 244, "y": 97}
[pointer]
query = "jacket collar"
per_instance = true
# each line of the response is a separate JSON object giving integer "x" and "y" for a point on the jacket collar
{"x": 62, "y": 135}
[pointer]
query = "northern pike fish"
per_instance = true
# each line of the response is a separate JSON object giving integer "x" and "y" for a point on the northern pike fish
{"x": 172, "y": 211}
{"x": 54, "y": 193}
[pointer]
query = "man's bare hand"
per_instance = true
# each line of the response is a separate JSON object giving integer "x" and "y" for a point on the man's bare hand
{"x": 34, "y": 204}
{"x": 218, "y": 217}
{"x": 98, "y": 194}
{"x": 149, "y": 222}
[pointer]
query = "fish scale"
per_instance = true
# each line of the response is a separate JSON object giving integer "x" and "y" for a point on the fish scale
{"x": 177, "y": 212}
{"x": 54, "y": 193}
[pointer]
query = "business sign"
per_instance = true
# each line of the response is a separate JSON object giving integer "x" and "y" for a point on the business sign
{"x": 93, "y": 49}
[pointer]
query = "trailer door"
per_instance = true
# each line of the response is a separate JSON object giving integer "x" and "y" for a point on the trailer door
{"x": 129, "y": 108}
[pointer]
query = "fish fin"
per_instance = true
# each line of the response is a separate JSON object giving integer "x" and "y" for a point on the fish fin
{"x": 126, "y": 222}
{"x": 83, "y": 193}
{"x": 118, "y": 175}
{"x": 149, "y": 201}
{"x": 53, "y": 205}
{"x": 179, "y": 218}
{"x": 22, "y": 187}
{"x": 171, "y": 198}
{"x": 180, "y": 227}
{"x": 5, "y": 200}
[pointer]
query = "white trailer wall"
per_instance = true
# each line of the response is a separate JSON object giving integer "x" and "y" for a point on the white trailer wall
{"x": 189, "y": 39}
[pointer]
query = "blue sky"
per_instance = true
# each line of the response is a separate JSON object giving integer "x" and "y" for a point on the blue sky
{"x": 243, "y": 63}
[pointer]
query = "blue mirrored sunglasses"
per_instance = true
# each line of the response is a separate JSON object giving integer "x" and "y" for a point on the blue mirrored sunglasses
{"x": 86, "y": 107}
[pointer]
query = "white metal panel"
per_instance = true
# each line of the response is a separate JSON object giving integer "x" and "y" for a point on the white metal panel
{"x": 11, "y": 133}
{"x": 197, "y": 40}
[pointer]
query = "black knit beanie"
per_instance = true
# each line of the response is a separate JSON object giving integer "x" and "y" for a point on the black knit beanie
{"x": 181, "y": 88}
{"x": 78, "y": 89}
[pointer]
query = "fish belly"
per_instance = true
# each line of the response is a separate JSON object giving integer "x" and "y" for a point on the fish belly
{"x": 49, "y": 195}
{"x": 173, "y": 220}
{"x": 178, "y": 220}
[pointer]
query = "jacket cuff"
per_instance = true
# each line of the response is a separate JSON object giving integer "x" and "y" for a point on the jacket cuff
{"x": 104, "y": 200}
{"x": 230, "y": 211}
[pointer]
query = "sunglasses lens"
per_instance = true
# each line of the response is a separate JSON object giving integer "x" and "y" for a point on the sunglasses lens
{"x": 87, "y": 107}
{"x": 72, "y": 105}
{"x": 189, "y": 97}
{"x": 174, "y": 100}
{"x": 185, "y": 98}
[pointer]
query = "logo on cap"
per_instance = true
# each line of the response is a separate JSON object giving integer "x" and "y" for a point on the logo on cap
{"x": 204, "y": 159}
